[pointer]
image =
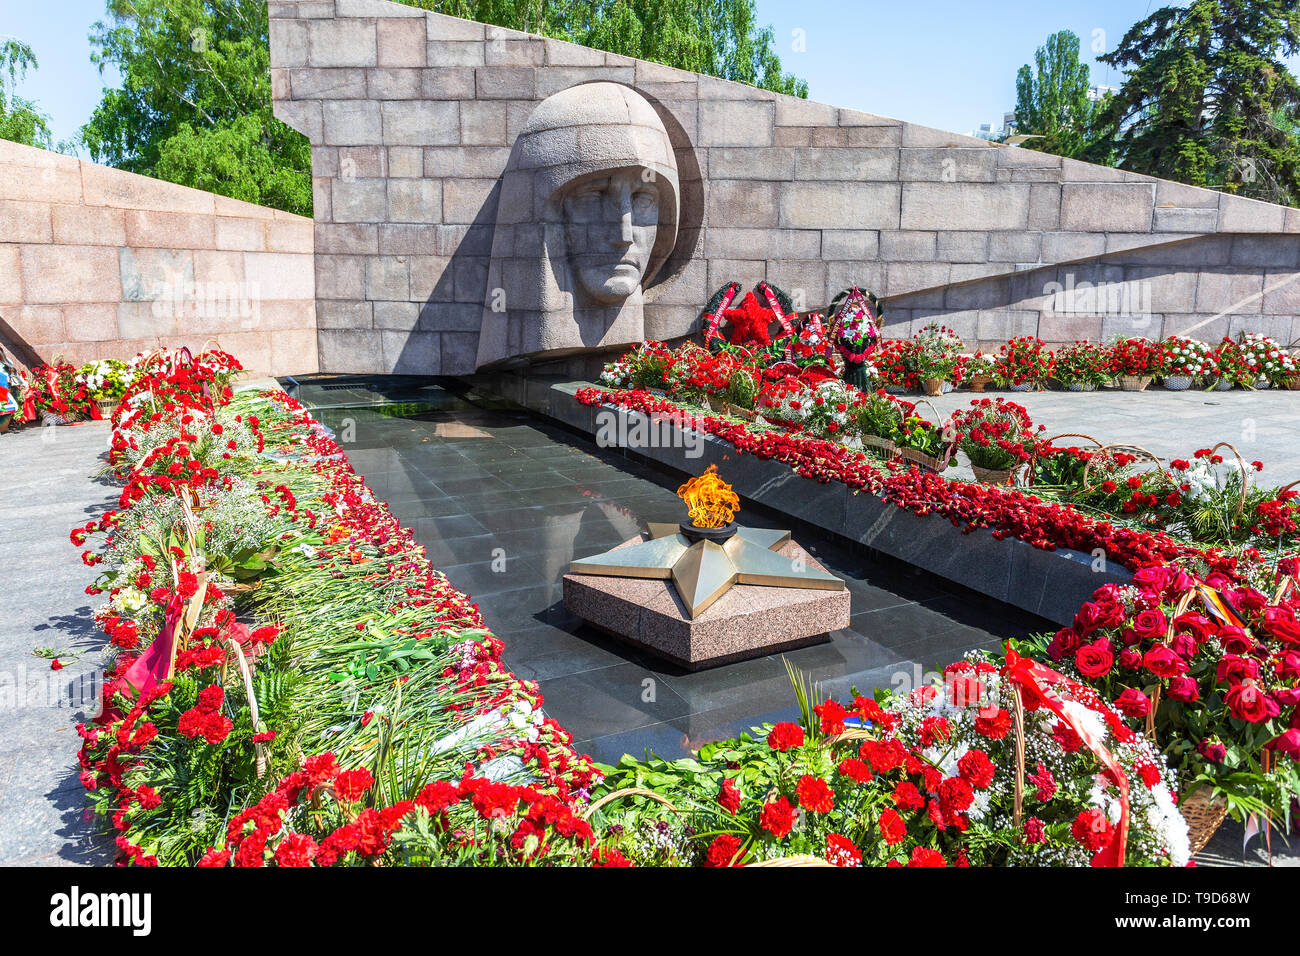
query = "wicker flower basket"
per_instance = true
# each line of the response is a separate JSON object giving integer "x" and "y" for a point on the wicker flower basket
{"x": 993, "y": 476}
{"x": 978, "y": 382}
{"x": 1134, "y": 383}
{"x": 1178, "y": 383}
{"x": 926, "y": 462}
{"x": 1293, "y": 382}
{"x": 1204, "y": 815}
{"x": 933, "y": 386}
{"x": 884, "y": 446}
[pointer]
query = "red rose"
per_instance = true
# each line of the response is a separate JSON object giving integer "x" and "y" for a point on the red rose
{"x": 1281, "y": 623}
{"x": 1213, "y": 751}
{"x": 1183, "y": 689}
{"x": 1094, "y": 660}
{"x": 1163, "y": 662}
{"x": 1234, "y": 670}
{"x": 1150, "y": 624}
{"x": 1133, "y": 702}
{"x": 1247, "y": 702}
{"x": 1288, "y": 742}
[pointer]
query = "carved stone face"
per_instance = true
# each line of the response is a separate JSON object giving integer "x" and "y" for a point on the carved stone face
{"x": 610, "y": 224}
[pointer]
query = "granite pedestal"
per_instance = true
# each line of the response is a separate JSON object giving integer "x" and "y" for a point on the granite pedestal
{"x": 747, "y": 621}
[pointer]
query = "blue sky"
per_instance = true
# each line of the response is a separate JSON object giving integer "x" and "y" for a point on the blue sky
{"x": 943, "y": 63}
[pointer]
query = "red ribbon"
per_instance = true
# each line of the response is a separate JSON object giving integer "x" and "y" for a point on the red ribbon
{"x": 1039, "y": 681}
{"x": 155, "y": 665}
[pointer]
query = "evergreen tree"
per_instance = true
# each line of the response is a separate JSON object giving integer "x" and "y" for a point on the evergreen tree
{"x": 1208, "y": 100}
{"x": 1052, "y": 104}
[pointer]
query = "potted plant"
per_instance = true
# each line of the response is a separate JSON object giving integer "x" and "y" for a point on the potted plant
{"x": 1081, "y": 366}
{"x": 875, "y": 419}
{"x": 997, "y": 437}
{"x": 1185, "y": 362}
{"x": 938, "y": 349}
{"x": 1024, "y": 363}
{"x": 1135, "y": 361}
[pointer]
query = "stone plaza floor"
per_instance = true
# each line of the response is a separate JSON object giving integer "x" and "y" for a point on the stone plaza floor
{"x": 47, "y": 474}
{"x": 1261, "y": 424}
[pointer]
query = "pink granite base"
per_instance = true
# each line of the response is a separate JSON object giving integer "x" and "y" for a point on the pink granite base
{"x": 747, "y": 621}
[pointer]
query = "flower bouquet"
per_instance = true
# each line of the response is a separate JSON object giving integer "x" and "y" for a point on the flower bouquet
{"x": 1135, "y": 361}
{"x": 992, "y": 766}
{"x": 58, "y": 395}
{"x": 1081, "y": 366}
{"x": 1212, "y": 671}
{"x": 1186, "y": 361}
{"x": 1265, "y": 362}
{"x": 825, "y": 408}
{"x": 1023, "y": 363}
{"x": 996, "y": 435}
{"x": 896, "y": 362}
{"x": 938, "y": 349}
{"x": 978, "y": 371}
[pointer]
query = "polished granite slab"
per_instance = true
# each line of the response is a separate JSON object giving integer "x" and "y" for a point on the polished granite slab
{"x": 503, "y": 501}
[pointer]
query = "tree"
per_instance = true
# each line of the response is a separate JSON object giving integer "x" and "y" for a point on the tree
{"x": 1208, "y": 100}
{"x": 195, "y": 102}
{"x": 717, "y": 37}
{"x": 1052, "y": 104}
{"x": 20, "y": 121}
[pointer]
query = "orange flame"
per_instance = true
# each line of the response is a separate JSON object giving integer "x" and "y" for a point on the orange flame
{"x": 710, "y": 502}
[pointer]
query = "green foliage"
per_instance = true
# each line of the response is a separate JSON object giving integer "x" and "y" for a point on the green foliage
{"x": 195, "y": 103}
{"x": 1052, "y": 102}
{"x": 20, "y": 121}
{"x": 1208, "y": 99}
{"x": 717, "y": 37}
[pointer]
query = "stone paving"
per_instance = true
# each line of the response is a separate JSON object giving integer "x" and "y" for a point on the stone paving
{"x": 49, "y": 488}
{"x": 1261, "y": 424}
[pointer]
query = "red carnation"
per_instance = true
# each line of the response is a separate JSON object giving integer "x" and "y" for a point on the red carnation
{"x": 777, "y": 817}
{"x": 815, "y": 794}
{"x": 892, "y": 828}
{"x": 729, "y": 796}
{"x": 784, "y": 736}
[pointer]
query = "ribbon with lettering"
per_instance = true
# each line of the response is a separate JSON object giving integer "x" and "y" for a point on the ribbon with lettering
{"x": 726, "y": 295}
{"x": 1040, "y": 681}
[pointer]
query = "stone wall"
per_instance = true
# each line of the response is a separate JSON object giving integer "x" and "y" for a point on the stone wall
{"x": 412, "y": 115}
{"x": 100, "y": 263}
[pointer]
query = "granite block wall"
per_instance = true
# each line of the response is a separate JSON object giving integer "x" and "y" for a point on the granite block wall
{"x": 412, "y": 115}
{"x": 100, "y": 263}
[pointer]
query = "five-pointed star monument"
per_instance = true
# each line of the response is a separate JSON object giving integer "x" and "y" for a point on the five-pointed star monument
{"x": 704, "y": 570}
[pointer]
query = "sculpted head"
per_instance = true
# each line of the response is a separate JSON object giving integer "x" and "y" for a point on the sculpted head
{"x": 610, "y": 223}
{"x": 587, "y": 215}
